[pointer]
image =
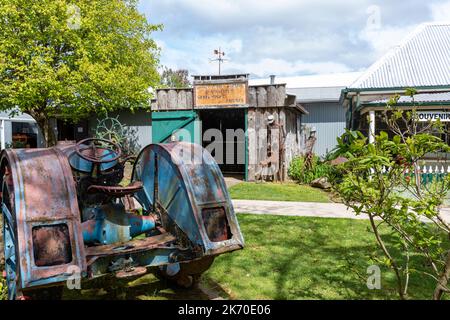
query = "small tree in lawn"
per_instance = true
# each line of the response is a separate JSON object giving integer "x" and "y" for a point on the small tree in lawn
{"x": 68, "y": 59}
{"x": 383, "y": 181}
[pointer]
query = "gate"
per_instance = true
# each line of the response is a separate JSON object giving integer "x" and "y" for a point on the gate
{"x": 174, "y": 126}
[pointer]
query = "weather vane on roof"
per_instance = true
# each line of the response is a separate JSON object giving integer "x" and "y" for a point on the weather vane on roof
{"x": 220, "y": 58}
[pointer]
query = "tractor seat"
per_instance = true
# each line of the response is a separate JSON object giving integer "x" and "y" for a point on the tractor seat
{"x": 117, "y": 191}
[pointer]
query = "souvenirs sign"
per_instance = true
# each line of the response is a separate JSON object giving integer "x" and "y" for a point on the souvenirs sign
{"x": 426, "y": 116}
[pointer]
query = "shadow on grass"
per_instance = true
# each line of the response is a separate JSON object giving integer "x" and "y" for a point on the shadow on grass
{"x": 147, "y": 287}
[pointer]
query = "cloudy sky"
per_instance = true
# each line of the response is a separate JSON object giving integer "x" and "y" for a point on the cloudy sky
{"x": 284, "y": 37}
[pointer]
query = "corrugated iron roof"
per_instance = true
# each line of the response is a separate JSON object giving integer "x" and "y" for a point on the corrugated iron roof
{"x": 342, "y": 79}
{"x": 311, "y": 88}
{"x": 421, "y": 60}
{"x": 437, "y": 98}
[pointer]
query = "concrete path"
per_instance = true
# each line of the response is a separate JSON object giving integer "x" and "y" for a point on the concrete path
{"x": 232, "y": 180}
{"x": 303, "y": 209}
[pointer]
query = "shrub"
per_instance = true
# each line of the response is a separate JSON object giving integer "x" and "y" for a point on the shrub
{"x": 300, "y": 173}
{"x": 3, "y": 289}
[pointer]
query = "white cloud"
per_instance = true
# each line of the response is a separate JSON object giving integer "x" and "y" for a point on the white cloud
{"x": 384, "y": 38}
{"x": 265, "y": 67}
{"x": 440, "y": 11}
{"x": 285, "y": 37}
{"x": 195, "y": 52}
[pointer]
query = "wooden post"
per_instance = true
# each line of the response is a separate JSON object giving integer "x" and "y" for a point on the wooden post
{"x": 2, "y": 135}
{"x": 371, "y": 126}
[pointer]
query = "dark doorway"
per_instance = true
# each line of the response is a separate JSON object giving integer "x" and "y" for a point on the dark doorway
{"x": 72, "y": 131}
{"x": 225, "y": 129}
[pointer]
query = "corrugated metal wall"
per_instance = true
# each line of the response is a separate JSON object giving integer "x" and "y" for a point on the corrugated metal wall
{"x": 329, "y": 120}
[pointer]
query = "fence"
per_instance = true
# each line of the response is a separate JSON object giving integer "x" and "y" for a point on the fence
{"x": 427, "y": 173}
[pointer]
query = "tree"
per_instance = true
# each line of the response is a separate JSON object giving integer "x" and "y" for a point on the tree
{"x": 383, "y": 181}
{"x": 175, "y": 78}
{"x": 69, "y": 59}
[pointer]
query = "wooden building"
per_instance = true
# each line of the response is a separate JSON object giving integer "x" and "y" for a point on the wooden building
{"x": 260, "y": 125}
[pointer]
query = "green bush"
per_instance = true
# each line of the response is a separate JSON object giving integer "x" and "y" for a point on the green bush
{"x": 298, "y": 171}
{"x": 3, "y": 289}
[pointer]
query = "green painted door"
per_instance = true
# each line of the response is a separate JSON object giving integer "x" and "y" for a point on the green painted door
{"x": 175, "y": 126}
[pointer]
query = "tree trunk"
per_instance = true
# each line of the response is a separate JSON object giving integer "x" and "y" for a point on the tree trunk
{"x": 442, "y": 287}
{"x": 47, "y": 130}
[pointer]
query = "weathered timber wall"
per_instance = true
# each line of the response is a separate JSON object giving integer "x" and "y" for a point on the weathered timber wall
{"x": 183, "y": 99}
{"x": 272, "y": 146}
{"x": 173, "y": 99}
{"x": 292, "y": 146}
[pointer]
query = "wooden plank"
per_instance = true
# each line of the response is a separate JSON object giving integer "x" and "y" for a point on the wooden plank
{"x": 275, "y": 144}
{"x": 172, "y": 97}
{"x": 182, "y": 100}
{"x": 261, "y": 136}
{"x": 292, "y": 143}
{"x": 162, "y": 100}
{"x": 272, "y": 96}
{"x": 252, "y": 100}
{"x": 190, "y": 99}
{"x": 265, "y": 142}
{"x": 261, "y": 97}
{"x": 132, "y": 246}
{"x": 283, "y": 163}
{"x": 252, "y": 144}
{"x": 281, "y": 96}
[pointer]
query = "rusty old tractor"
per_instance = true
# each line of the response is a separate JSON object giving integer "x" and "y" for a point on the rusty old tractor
{"x": 65, "y": 213}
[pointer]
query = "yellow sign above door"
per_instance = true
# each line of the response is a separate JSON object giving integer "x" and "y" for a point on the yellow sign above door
{"x": 220, "y": 95}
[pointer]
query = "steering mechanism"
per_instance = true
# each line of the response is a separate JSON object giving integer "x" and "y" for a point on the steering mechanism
{"x": 98, "y": 150}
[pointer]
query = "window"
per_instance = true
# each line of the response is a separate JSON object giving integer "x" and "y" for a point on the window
{"x": 24, "y": 135}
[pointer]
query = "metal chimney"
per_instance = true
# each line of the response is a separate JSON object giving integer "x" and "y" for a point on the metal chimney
{"x": 272, "y": 79}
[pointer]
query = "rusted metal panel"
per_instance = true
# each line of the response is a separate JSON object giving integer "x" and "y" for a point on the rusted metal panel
{"x": 51, "y": 245}
{"x": 188, "y": 182}
{"x": 45, "y": 196}
{"x": 133, "y": 246}
{"x": 216, "y": 224}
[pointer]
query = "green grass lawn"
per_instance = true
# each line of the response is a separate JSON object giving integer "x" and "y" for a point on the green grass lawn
{"x": 284, "y": 258}
{"x": 277, "y": 192}
{"x": 305, "y": 258}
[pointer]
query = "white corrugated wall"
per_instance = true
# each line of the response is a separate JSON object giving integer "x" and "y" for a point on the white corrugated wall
{"x": 329, "y": 120}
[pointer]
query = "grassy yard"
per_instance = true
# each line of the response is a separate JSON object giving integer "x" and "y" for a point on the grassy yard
{"x": 284, "y": 258}
{"x": 305, "y": 258}
{"x": 277, "y": 192}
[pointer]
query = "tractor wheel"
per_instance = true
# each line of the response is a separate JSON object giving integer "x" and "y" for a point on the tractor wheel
{"x": 185, "y": 275}
{"x": 2, "y": 249}
{"x": 11, "y": 272}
